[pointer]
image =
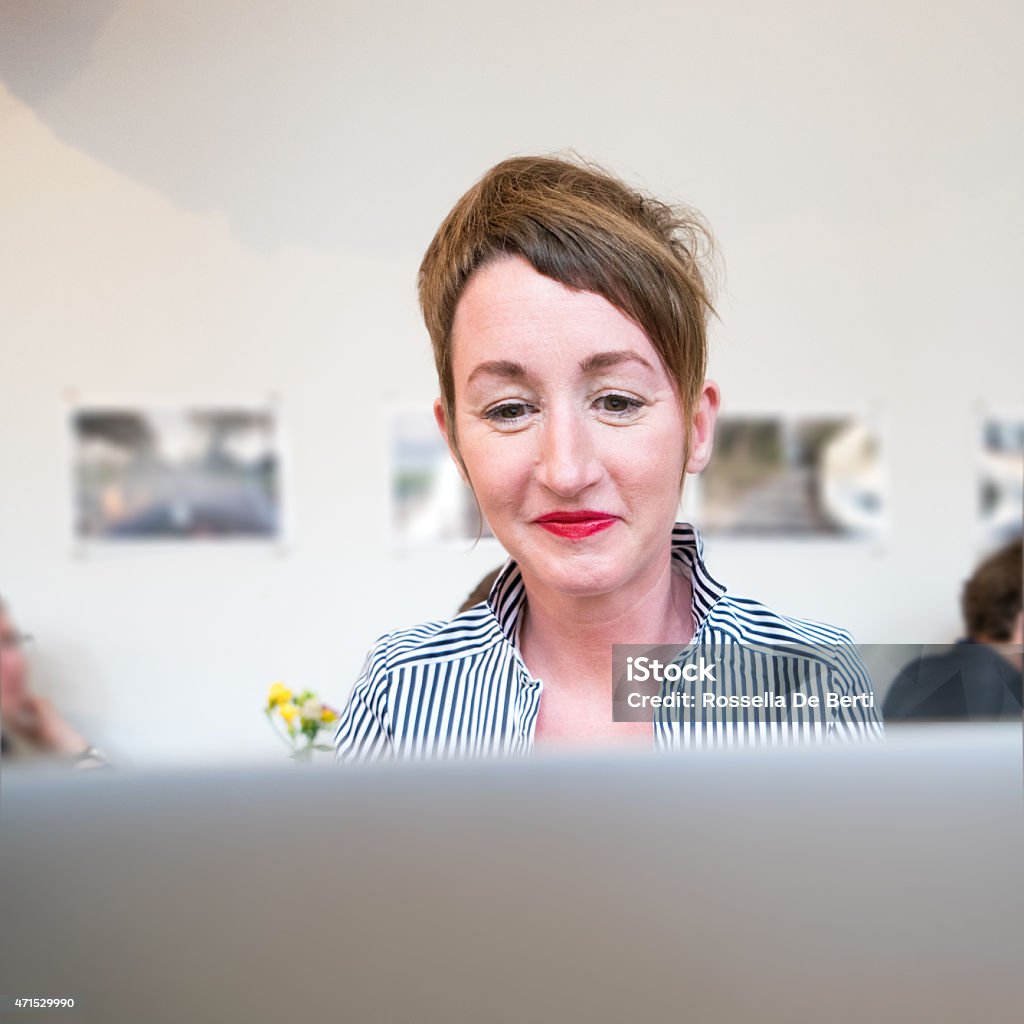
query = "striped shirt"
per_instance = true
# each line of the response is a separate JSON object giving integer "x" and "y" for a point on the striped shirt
{"x": 460, "y": 688}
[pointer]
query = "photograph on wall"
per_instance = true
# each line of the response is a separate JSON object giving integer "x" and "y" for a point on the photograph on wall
{"x": 793, "y": 476}
{"x": 1001, "y": 478}
{"x": 430, "y": 504}
{"x": 176, "y": 474}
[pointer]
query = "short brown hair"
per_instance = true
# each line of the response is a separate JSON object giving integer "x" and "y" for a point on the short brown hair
{"x": 994, "y": 595}
{"x": 579, "y": 225}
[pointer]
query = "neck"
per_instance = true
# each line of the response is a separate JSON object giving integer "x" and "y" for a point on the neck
{"x": 572, "y": 637}
{"x": 1006, "y": 649}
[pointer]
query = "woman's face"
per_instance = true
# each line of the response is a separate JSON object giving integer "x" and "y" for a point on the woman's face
{"x": 570, "y": 429}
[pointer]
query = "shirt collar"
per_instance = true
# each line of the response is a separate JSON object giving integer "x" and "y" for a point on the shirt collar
{"x": 507, "y": 597}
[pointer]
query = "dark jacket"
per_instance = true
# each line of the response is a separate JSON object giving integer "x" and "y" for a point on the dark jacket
{"x": 969, "y": 681}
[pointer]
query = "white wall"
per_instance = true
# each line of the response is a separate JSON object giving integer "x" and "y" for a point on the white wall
{"x": 222, "y": 200}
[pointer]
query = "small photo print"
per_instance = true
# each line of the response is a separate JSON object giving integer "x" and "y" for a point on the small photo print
{"x": 430, "y": 504}
{"x": 1001, "y": 479}
{"x": 804, "y": 477}
{"x": 175, "y": 474}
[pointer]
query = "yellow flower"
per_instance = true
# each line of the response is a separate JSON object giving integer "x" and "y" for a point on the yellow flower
{"x": 328, "y": 714}
{"x": 279, "y": 694}
{"x": 289, "y": 712}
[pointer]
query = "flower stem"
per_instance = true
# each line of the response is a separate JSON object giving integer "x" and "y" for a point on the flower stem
{"x": 277, "y": 732}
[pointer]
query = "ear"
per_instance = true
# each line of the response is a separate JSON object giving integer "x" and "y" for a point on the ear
{"x": 702, "y": 427}
{"x": 442, "y": 425}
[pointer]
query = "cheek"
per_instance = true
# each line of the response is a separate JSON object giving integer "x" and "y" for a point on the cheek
{"x": 500, "y": 467}
{"x": 651, "y": 462}
{"x": 650, "y": 485}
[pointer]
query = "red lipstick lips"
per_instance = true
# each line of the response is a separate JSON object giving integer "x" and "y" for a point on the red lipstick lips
{"x": 575, "y": 525}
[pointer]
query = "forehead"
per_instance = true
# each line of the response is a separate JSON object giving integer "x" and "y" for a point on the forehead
{"x": 510, "y": 311}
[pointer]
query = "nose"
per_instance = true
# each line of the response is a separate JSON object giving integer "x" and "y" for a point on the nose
{"x": 567, "y": 462}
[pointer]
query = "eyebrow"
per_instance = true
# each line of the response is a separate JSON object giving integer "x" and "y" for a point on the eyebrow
{"x": 598, "y": 361}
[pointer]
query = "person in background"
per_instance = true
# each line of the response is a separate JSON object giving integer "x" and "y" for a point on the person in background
{"x": 980, "y": 676}
{"x": 30, "y": 726}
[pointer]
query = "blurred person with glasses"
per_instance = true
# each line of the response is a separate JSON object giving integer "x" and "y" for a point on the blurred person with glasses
{"x": 30, "y": 726}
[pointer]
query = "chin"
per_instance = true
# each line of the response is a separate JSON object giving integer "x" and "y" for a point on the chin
{"x": 580, "y": 580}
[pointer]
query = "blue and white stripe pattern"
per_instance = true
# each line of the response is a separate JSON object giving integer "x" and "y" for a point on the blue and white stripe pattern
{"x": 459, "y": 687}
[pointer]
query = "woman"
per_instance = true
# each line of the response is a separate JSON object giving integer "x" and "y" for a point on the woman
{"x": 568, "y": 315}
{"x": 33, "y": 728}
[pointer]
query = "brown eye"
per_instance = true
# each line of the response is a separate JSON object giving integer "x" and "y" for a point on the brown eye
{"x": 508, "y": 413}
{"x": 619, "y": 405}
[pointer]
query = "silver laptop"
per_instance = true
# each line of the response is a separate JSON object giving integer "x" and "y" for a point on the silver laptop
{"x": 874, "y": 883}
